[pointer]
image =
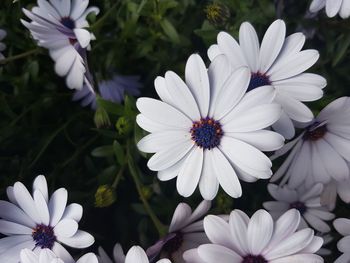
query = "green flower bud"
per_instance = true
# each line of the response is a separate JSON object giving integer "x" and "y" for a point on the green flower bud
{"x": 217, "y": 14}
{"x": 224, "y": 202}
{"x": 101, "y": 118}
{"x": 104, "y": 196}
{"x": 123, "y": 125}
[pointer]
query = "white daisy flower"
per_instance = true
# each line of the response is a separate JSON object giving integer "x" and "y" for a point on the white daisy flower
{"x": 38, "y": 222}
{"x": 135, "y": 255}
{"x": 333, "y": 7}
{"x": 333, "y": 189}
{"x": 47, "y": 256}
{"x": 59, "y": 25}
{"x": 321, "y": 152}
{"x": 256, "y": 240}
{"x": 185, "y": 232}
{"x": 278, "y": 62}
{"x": 342, "y": 225}
{"x": 2, "y": 45}
{"x": 306, "y": 200}
{"x": 207, "y": 131}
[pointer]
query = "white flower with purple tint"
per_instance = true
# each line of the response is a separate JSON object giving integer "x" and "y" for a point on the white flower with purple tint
{"x": 135, "y": 255}
{"x": 256, "y": 240}
{"x": 306, "y": 200}
{"x": 2, "y": 45}
{"x": 334, "y": 189}
{"x": 59, "y": 25}
{"x": 342, "y": 225}
{"x": 39, "y": 221}
{"x": 321, "y": 152}
{"x": 112, "y": 90}
{"x": 333, "y": 7}
{"x": 47, "y": 256}
{"x": 186, "y": 231}
{"x": 279, "y": 62}
{"x": 207, "y": 131}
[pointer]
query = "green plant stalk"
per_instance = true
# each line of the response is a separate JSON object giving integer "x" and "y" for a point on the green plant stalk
{"x": 118, "y": 177}
{"x": 19, "y": 56}
{"x": 100, "y": 21}
{"x": 135, "y": 175}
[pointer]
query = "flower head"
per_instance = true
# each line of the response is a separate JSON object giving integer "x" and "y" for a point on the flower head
{"x": 112, "y": 90}
{"x": 135, "y": 254}
{"x": 342, "y": 225}
{"x": 208, "y": 131}
{"x": 40, "y": 222}
{"x": 59, "y": 25}
{"x": 279, "y": 62}
{"x": 256, "y": 240}
{"x": 321, "y": 152}
{"x": 47, "y": 256}
{"x": 306, "y": 200}
{"x": 333, "y": 8}
{"x": 185, "y": 232}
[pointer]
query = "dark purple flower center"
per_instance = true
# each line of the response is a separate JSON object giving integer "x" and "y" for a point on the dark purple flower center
{"x": 206, "y": 133}
{"x": 174, "y": 244}
{"x": 298, "y": 206}
{"x": 315, "y": 132}
{"x": 254, "y": 259}
{"x": 44, "y": 236}
{"x": 68, "y": 22}
{"x": 257, "y": 80}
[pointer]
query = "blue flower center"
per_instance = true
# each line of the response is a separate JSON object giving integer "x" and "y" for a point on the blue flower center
{"x": 315, "y": 132}
{"x": 298, "y": 206}
{"x": 258, "y": 80}
{"x": 254, "y": 259}
{"x": 206, "y": 133}
{"x": 68, "y": 22}
{"x": 44, "y": 236}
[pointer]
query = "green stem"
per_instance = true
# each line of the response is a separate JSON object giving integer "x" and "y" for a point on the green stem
{"x": 100, "y": 21}
{"x": 135, "y": 175}
{"x": 19, "y": 56}
{"x": 118, "y": 177}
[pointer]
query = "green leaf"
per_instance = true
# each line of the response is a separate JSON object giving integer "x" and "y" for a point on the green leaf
{"x": 170, "y": 31}
{"x": 110, "y": 107}
{"x": 103, "y": 151}
{"x": 119, "y": 152}
{"x": 341, "y": 50}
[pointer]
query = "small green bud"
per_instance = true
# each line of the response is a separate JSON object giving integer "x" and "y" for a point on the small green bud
{"x": 104, "y": 196}
{"x": 123, "y": 125}
{"x": 147, "y": 192}
{"x": 224, "y": 202}
{"x": 101, "y": 118}
{"x": 217, "y": 13}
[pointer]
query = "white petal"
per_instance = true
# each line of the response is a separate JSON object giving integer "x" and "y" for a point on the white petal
{"x": 317, "y": 5}
{"x": 81, "y": 239}
{"x": 342, "y": 225}
{"x": 163, "y": 113}
{"x": 66, "y": 228}
{"x": 345, "y": 9}
{"x": 182, "y": 213}
{"x": 212, "y": 252}
{"x": 299, "y": 258}
{"x": 10, "y": 212}
{"x": 249, "y": 43}
{"x": 271, "y": 45}
{"x": 42, "y": 207}
{"x": 73, "y": 211}
{"x": 198, "y": 82}
{"x": 333, "y": 7}
{"x": 57, "y": 205}
{"x": 65, "y": 62}
{"x": 181, "y": 96}
{"x": 225, "y": 174}
{"x": 162, "y": 90}
{"x": 238, "y": 229}
{"x": 75, "y": 77}
{"x": 83, "y": 36}
{"x": 62, "y": 253}
{"x": 40, "y": 184}
{"x": 208, "y": 183}
{"x": 217, "y": 230}
{"x": 10, "y": 228}
{"x": 136, "y": 254}
{"x": 213, "y": 52}
{"x": 189, "y": 175}
{"x": 259, "y": 233}
{"x": 88, "y": 258}
{"x": 284, "y": 126}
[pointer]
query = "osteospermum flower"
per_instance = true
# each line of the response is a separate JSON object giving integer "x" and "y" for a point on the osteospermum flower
{"x": 207, "y": 131}
{"x": 320, "y": 153}
{"x": 59, "y": 25}
{"x": 334, "y": 189}
{"x": 256, "y": 240}
{"x": 333, "y": 7}
{"x": 38, "y": 221}
{"x": 185, "y": 232}
{"x": 306, "y": 200}
{"x": 342, "y": 225}
{"x": 135, "y": 255}
{"x": 112, "y": 90}
{"x": 278, "y": 62}
{"x": 2, "y": 45}
{"x": 47, "y": 256}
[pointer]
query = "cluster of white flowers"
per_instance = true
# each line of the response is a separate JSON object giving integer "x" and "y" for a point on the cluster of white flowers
{"x": 208, "y": 130}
